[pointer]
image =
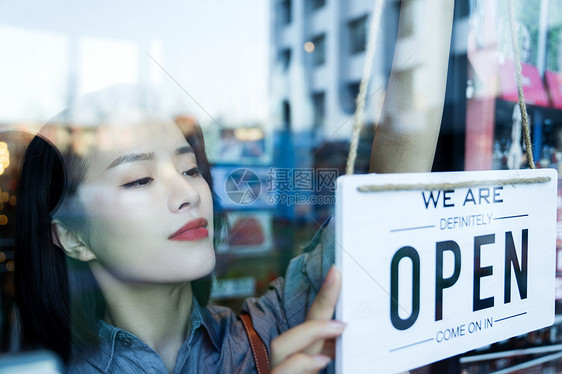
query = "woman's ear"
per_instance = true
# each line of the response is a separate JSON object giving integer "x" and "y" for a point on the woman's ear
{"x": 70, "y": 242}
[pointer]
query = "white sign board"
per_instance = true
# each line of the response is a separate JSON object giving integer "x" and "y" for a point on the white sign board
{"x": 437, "y": 264}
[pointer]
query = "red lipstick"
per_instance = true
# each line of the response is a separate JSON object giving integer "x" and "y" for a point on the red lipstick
{"x": 191, "y": 231}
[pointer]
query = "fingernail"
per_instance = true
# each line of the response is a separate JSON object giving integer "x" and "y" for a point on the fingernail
{"x": 337, "y": 325}
{"x": 322, "y": 360}
{"x": 329, "y": 277}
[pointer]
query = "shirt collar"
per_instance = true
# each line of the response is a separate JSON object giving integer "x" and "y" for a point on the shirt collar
{"x": 109, "y": 334}
{"x": 203, "y": 317}
{"x": 108, "y": 339}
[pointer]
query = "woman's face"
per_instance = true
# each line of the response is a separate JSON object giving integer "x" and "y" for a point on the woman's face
{"x": 149, "y": 211}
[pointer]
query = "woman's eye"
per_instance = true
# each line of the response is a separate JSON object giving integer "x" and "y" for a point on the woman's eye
{"x": 195, "y": 172}
{"x": 138, "y": 183}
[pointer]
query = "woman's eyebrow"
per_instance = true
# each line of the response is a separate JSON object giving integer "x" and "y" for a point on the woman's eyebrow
{"x": 135, "y": 157}
{"x": 131, "y": 157}
{"x": 183, "y": 150}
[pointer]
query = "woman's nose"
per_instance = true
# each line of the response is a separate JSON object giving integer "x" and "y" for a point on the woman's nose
{"x": 182, "y": 193}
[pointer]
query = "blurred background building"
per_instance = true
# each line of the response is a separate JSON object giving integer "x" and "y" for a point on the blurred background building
{"x": 316, "y": 62}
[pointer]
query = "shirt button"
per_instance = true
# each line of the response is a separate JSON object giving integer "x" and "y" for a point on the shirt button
{"x": 126, "y": 342}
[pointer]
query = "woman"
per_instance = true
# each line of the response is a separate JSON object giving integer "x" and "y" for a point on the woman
{"x": 115, "y": 247}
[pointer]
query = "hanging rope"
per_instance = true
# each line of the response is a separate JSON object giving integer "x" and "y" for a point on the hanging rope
{"x": 359, "y": 116}
{"x": 522, "y": 106}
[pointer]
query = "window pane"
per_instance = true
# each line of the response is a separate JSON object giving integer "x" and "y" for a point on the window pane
{"x": 319, "y": 50}
{"x": 358, "y": 34}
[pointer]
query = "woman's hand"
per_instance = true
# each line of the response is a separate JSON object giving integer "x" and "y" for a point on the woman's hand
{"x": 310, "y": 346}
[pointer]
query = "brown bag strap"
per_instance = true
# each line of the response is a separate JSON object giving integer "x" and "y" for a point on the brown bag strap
{"x": 261, "y": 358}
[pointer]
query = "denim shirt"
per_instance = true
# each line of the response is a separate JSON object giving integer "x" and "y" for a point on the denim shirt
{"x": 217, "y": 342}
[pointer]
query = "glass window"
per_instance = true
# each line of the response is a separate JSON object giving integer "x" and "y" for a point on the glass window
{"x": 285, "y": 12}
{"x": 358, "y": 34}
{"x": 276, "y": 115}
{"x": 349, "y": 96}
{"x": 285, "y": 58}
{"x": 319, "y": 50}
{"x": 319, "y": 108}
{"x": 317, "y": 4}
{"x": 286, "y": 115}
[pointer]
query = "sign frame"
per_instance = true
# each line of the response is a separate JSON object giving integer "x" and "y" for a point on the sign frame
{"x": 462, "y": 236}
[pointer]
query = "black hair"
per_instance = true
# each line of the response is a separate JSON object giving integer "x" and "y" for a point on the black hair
{"x": 58, "y": 298}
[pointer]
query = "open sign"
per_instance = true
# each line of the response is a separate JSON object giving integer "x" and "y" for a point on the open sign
{"x": 438, "y": 264}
